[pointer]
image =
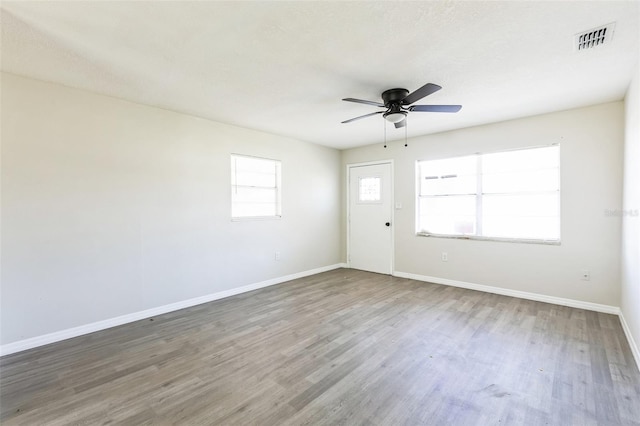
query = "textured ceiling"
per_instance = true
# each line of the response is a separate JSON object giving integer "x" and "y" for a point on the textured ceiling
{"x": 282, "y": 67}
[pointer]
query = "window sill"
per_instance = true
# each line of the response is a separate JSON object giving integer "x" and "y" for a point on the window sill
{"x": 502, "y": 240}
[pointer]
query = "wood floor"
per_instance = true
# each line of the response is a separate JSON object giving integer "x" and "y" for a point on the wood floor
{"x": 342, "y": 348}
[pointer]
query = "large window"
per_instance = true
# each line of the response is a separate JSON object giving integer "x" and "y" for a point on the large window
{"x": 255, "y": 187}
{"x": 504, "y": 195}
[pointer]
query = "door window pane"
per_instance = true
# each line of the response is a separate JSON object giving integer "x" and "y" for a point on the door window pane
{"x": 369, "y": 189}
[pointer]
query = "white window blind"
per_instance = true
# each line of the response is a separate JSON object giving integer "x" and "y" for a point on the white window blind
{"x": 255, "y": 187}
{"x": 504, "y": 195}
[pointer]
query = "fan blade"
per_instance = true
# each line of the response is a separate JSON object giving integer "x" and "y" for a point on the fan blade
{"x": 435, "y": 108}
{"x": 362, "y": 116}
{"x": 401, "y": 123}
{"x": 425, "y": 90}
{"x": 361, "y": 101}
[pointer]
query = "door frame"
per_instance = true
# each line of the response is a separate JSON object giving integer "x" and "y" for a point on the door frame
{"x": 392, "y": 205}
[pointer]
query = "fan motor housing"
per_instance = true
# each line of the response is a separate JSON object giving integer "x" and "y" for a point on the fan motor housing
{"x": 394, "y": 96}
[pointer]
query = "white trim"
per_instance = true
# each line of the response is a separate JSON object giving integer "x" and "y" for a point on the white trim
{"x": 392, "y": 207}
{"x": 632, "y": 342}
{"x": 607, "y": 309}
{"x": 57, "y": 336}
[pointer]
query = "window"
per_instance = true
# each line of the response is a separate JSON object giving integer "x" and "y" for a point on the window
{"x": 504, "y": 195}
{"x": 369, "y": 189}
{"x": 255, "y": 187}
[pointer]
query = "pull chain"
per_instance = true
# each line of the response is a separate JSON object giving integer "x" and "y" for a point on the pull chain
{"x": 384, "y": 126}
{"x": 406, "y": 125}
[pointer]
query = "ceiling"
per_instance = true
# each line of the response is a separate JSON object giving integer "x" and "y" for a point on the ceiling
{"x": 283, "y": 67}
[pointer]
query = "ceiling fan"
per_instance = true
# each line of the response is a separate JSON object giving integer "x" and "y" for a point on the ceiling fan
{"x": 395, "y": 101}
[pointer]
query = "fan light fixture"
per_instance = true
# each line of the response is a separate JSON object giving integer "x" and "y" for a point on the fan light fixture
{"x": 395, "y": 117}
{"x": 398, "y": 102}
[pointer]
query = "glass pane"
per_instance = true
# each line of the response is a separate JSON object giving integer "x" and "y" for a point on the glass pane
{"x": 243, "y": 194}
{"x": 369, "y": 189}
{"x": 535, "y": 216}
{"x": 448, "y": 176}
{"x": 454, "y": 215}
{"x": 521, "y": 160}
{"x": 248, "y": 171}
{"x": 255, "y": 165}
{"x": 523, "y": 181}
{"x": 255, "y": 187}
{"x": 265, "y": 180}
{"x": 249, "y": 201}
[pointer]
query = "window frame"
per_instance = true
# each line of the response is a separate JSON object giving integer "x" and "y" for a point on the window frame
{"x": 479, "y": 200}
{"x": 278, "y": 189}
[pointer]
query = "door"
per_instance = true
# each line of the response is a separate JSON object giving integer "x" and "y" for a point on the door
{"x": 370, "y": 218}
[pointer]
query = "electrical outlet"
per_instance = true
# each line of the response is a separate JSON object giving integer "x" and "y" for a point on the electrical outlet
{"x": 585, "y": 275}
{"x": 278, "y": 256}
{"x": 445, "y": 256}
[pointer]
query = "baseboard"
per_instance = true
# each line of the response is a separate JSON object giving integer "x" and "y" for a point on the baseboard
{"x": 630, "y": 339}
{"x": 58, "y": 336}
{"x": 607, "y": 309}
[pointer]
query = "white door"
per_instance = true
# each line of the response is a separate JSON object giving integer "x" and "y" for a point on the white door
{"x": 370, "y": 218}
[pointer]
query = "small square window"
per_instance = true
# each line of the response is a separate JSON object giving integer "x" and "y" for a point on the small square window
{"x": 369, "y": 189}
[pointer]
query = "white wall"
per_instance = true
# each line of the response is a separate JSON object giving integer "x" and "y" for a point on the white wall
{"x": 591, "y": 142}
{"x": 110, "y": 208}
{"x": 630, "y": 301}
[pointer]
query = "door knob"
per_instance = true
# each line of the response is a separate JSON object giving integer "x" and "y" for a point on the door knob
{"x": 388, "y": 224}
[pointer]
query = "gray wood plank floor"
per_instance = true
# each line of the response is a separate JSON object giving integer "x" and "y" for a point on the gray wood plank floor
{"x": 342, "y": 347}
